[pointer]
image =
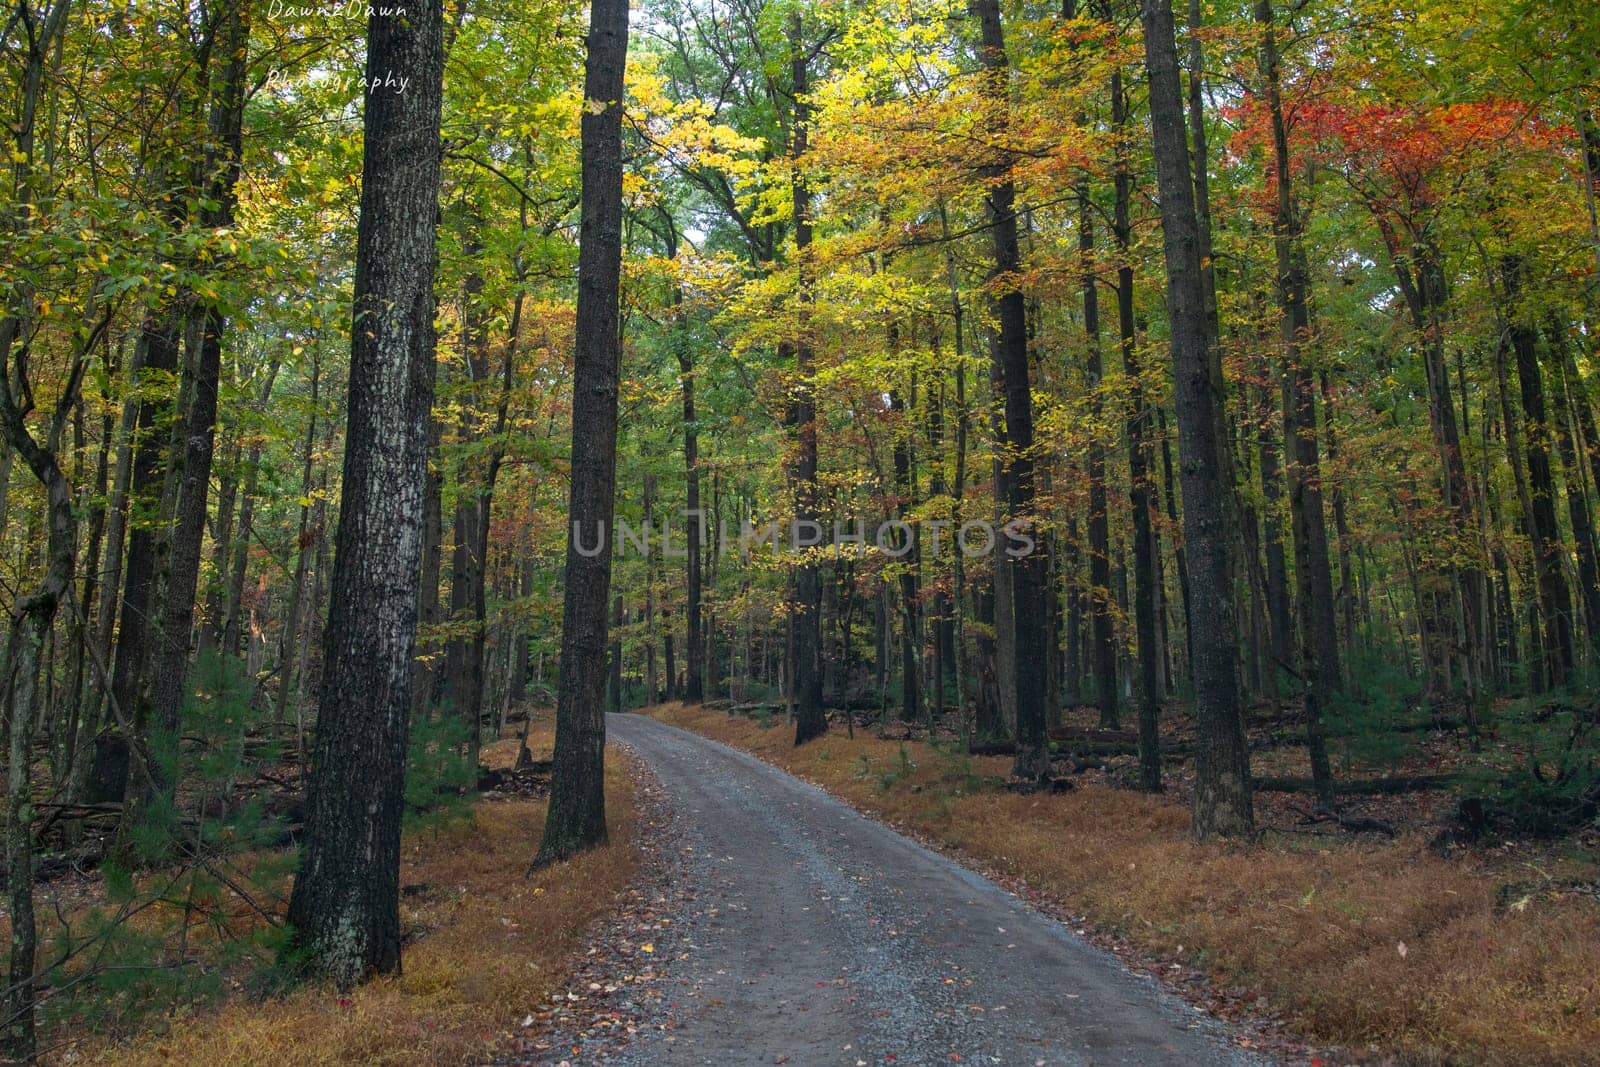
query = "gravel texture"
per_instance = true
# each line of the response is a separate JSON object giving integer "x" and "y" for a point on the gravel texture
{"x": 813, "y": 935}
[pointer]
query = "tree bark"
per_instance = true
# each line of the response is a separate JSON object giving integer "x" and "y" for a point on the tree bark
{"x": 1319, "y": 661}
{"x": 345, "y": 905}
{"x": 577, "y": 817}
{"x": 694, "y": 651}
{"x": 1555, "y": 597}
{"x": 1100, "y": 607}
{"x": 1141, "y": 486}
{"x": 426, "y": 672}
{"x": 33, "y": 615}
{"x": 1009, "y": 353}
{"x": 1222, "y": 799}
{"x": 906, "y": 499}
{"x": 809, "y": 719}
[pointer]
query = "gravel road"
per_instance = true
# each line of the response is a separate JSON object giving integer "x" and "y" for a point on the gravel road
{"x": 818, "y": 936}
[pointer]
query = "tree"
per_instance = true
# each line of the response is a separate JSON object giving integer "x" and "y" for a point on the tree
{"x": 170, "y": 661}
{"x": 1319, "y": 660}
{"x": 31, "y": 615}
{"x": 577, "y": 816}
{"x": 809, "y": 720}
{"x": 345, "y": 904}
{"x": 1008, "y": 351}
{"x": 1222, "y": 797}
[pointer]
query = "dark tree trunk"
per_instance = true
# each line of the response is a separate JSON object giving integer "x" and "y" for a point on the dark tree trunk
{"x": 31, "y": 619}
{"x": 1100, "y": 606}
{"x": 1319, "y": 661}
{"x": 31, "y": 616}
{"x": 577, "y": 817}
{"x": 1280, "y": 624}
{"x": 650, "y": 691}
{"x": 694, "y": 681}
{"x": 880, "y": 637}
{"x": 464, "y": 652}
{"x": 669, "y": 655}
{"x": 1222, "y": 797}
{"x": 83, "y": 717}
{"x": 1180, "y": 555}
{"x": 1422, "y": 282}
{"x": 519, "y": 669}
{"x": 1141, "y": 487}
{"x": 1003, "y": 617}
{"x": 159, "y": 347}
{"x": 1009, "y": 352}
{"x": 1578, "y": 444}
{"x": 694, "y": 686}
{"x": 426, "y": 673}
{"x": 288, "y": 646}
{"x": 345, "y": 905}
{"x": 1346, "y": 595}
{"x": 906, "y": 499}
{"x": 1072, "y": 653}
{"x": 170, "y": 666}
{"x": 116, "y": 544}
{"x": 1555, "y": 598}
{"x": 221, "y": 545}
{"x": 806, "y": 647}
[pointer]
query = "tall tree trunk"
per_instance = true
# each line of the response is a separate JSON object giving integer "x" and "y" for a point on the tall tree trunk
{"x": 1141, "y": 487}
{"x": 32, "y": 616}
{"x": 345, "y": 905}
{"x": 464, "y": 674}
{"x": 105, "y": 612}
{"x": 1555, "y": 598}
{"x": 1578, "y": 510}
{"x": 649, "y": 595}
{"x": 221, "y": 546}
{"x": 1009, "y": 352}
{"x": 810, "y": 721}
{"x": 1180, "y": 555}
{"x": 289, "y": 644}
{"x": 1346, "y": 596}
{"x": 425, "y": 671}
{"x": 694, "y": 651}
{"x": 1421, "y": 276}
{"x": 1280, "y": 624}
{"x": 577, "y": 816}
{"x": 906, "y": 499}
{"x": 159, "y": 347}
{"x": 1222, "y": 796}
{"x": 170, "y": 666}
{"x": 1319, "y": 642}
{"x": 1537, "y": 665}
{"x": 1100, "y": 605}
{"x": 1585, "y": 453}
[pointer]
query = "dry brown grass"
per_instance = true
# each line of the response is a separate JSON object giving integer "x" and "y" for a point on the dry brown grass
{"x": 490, "y": 945}
{"x": 1316, "y": 925}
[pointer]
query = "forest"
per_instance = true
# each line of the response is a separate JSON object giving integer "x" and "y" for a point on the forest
{"x": 1100, "y": 429}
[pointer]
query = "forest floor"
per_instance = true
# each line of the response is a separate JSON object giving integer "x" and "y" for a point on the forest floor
{"x": 488, "y": 949}
{"x": 1371, "y": 948}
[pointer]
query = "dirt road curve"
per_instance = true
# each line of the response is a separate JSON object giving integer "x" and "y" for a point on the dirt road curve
{"x": 821, "y": 937}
